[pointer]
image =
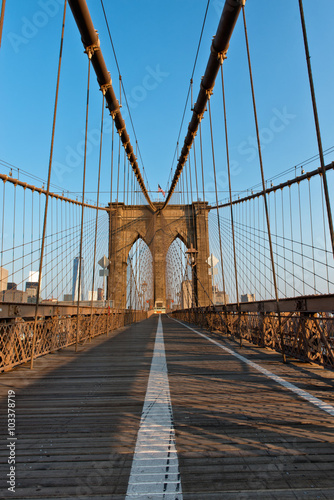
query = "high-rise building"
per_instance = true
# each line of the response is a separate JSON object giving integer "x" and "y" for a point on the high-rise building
{"x": 3, "y": 279}
{"x": 31, "y": 289}
{"x": 31, "y": 285}
{"x": 220, "y": 298}
{"x": 248, "y": 297}
{"x": 33, "y": 277}
{"x": 90, "y": 295}
{"x": 75, "y": 284}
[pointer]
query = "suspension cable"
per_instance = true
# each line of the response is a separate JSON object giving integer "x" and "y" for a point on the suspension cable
{"x": 230, "y": 191}
{"x": 80, "y": 264}
{"x": 91, "y": 43}
{"x": 47, "y": 190}
{"x": 96, "y": 218}
{"x": 218, "y": 217}
{"x": 219, "y": 46}
{"x": 317, "y": 126}
{"x": 263, "y": 186}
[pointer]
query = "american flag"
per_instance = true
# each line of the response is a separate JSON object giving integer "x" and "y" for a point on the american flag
{"x": 160, "y": 190}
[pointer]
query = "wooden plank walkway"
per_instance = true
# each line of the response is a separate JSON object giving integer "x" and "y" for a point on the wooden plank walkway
{"x": 238, "y": 433}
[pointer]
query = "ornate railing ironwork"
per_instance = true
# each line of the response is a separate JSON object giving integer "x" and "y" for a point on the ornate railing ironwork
{"x": 309, "y": 337}
{"x": 56, "y": 333}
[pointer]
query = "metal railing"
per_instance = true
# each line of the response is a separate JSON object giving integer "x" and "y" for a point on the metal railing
{"x": 306, "y": 336}
{"x": 56, "y": 333}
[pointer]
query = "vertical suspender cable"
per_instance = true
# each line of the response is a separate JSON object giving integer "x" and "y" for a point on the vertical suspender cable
{"x": 325, "y": 237}
{"x": 62, "y": 208}
{"x": 317, "y": 126}
{"x": 218, "y": 217}
{"x": 127, "y": 183}
{"x": 57, "y": 233}
{"x": 112, "y": 159}
{"x": 124, "y": 179}
{"x": 186, "y": 182}
{"x": 80, "y": 277}
{"x": 312, "y": 237}
{"x": 276, "y": 233}
{"x": 202, "y": 162}
{"x": 97, "y": 216}
{"x": 108, "y": 294}
{"x": 14, "y": 223}
{"x": 194, "y": 299}
{"x": 190, "y": 180}
{"x": 115, "y": 229}
{"x": 264, "y": 189}
{"x": 195, "y": 167}
{"x": 283, "y": 229}
{"x": 301, "y": 238}
{"x": 230, "y": 193}
{"x": 32, "y": 229}
{"x": 118, "y": 171}
{"x": 51, "y": 239}
{"x": 203, "y": 182}
{"x": 3, "y": 226}
{"x": 23, "y": 233}
{"x": 47, "y": 192}
{"x": 292, "y": 249}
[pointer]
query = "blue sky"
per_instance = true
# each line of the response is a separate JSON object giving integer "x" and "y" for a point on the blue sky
{"x": 156, "y": 43}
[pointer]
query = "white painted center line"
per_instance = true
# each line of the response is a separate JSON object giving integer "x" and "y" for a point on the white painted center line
{"x": 155, "y": 471}
{"x": 303, "y": 394}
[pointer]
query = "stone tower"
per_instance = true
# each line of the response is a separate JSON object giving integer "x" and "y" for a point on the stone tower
{"x": 159, "y": 229}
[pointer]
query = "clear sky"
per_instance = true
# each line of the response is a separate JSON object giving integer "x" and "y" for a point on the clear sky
{"x": 156, "y": 44}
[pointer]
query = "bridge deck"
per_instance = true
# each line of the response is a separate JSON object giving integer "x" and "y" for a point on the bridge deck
{"x": 239, "y": 434}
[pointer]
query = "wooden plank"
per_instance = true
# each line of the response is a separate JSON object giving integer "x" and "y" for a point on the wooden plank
{"x": 239, "y": 435}
{"x": 77, "y": 416}
{"x": 239, "y": 432}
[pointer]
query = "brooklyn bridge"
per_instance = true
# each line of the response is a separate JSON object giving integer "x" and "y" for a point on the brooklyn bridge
{"x": 175, "y": 342}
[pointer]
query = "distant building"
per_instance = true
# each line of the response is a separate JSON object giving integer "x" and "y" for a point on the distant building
{"x": 100, "y": 294}
{"x": 31, "y": 295}
{"x": 11, "y": 286}
{"x": 3, "y": 279}
{"x": 31, "y": 289}
{"x": 248, "y": 297}
{"x": 32, "y": 284}
{"x": 90, "y": 295}
{"x": 68, "y": 297}
{"x": 218, "y": 298}
{"x": 75, "y": 283}
{"x": 186, "y": 294}
{"x": 14, "y": 296}
{"x": 33, "y": 277}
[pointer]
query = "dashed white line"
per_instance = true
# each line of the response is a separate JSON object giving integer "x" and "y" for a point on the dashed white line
{"x": 155, "y": 471}
{"x": 303, "y": 394}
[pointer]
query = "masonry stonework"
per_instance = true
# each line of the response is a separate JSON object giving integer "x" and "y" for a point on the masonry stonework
{"x": 159, "y": 229}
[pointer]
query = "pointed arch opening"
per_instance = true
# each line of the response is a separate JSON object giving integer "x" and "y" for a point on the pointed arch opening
{"x": 179, "y": 279}
{"x": 139, "y": 289}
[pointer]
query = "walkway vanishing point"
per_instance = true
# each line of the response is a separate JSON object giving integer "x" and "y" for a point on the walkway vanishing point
{"x": 161, "y": 410}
